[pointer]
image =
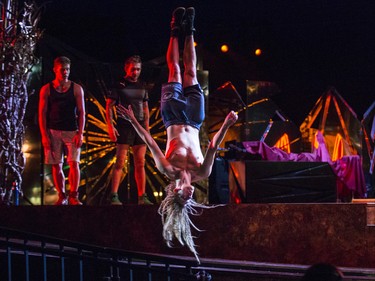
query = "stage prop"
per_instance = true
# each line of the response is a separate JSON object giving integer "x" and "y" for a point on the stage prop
{"x": 368, "y": 144}
{"x": 218, "y": 183}
{"x": 338, "y": 123}
{"x": 259, "y": 117}
{"x": 221, "y": 101}
{"x": 348, "y": 170}
{"x": 265, "y": 131}
{"x": 281, "y": 182}
{"x": 342, "y": 132}
{"x": 265, "y": 121}
{"x": 257, "y": 90}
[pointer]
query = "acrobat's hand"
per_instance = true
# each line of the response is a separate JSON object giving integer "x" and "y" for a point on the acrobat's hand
{"x": 231, "y": 118}
{"x": 125, "y": 113}
{"x": 185, "y": 192}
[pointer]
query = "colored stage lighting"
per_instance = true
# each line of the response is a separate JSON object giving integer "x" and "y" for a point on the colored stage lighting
{"x": 224, "y": 48}
{"x": 258, "y": 52}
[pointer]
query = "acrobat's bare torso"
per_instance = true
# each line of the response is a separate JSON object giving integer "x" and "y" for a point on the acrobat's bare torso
{"x": 183, "y": 148}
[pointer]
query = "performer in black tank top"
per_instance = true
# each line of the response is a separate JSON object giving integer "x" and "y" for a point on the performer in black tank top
{"x": 62, "y": 109}
{"x": 61, "y": 122}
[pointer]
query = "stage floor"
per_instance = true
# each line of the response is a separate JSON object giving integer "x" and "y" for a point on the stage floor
{"x": 303, "y": 234}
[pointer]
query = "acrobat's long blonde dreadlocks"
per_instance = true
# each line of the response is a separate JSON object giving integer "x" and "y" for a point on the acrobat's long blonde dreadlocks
{"x": 175, "y": 213}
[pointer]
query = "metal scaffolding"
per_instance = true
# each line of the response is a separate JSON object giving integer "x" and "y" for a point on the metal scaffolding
{"x": 18, "y": 37}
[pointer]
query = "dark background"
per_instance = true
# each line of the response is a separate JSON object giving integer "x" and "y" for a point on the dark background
{"x": 307, "y": 46}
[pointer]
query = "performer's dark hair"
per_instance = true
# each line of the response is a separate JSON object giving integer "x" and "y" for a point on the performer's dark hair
{"x": 133, "y": 59}
{"x": 61, "y": 60}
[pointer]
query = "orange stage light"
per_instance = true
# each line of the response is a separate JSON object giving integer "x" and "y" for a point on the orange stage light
{"x": 283, "y": 143}
{"x": 224, "y": 48}
{"x": 258, "y": 52}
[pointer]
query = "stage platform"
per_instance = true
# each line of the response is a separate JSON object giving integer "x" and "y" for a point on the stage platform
{"x": 303, "y": 234}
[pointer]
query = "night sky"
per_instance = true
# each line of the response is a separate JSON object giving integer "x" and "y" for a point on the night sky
{"x": 307, "y": 46}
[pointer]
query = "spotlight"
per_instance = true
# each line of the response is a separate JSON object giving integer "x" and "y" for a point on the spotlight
{"x": 258, "y": 52}
{"x": 224, "y": 48}
{"x": 158, "y": 194}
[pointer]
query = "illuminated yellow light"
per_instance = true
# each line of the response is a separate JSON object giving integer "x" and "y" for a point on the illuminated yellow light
{"x": 195, "y": 44}
{"x": 224, "y": 48}
{"x": 283, "y": 143}
{"x": 156, "y": 194}
{"x": 338, "y": 149}
{"x": 258, "y": 52}
{"x": 26, "y": 147}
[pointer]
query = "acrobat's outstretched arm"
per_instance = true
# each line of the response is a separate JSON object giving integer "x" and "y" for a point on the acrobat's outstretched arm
{"x": 209, "y": 158}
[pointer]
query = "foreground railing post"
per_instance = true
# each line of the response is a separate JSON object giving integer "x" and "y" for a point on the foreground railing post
{"x": 27, "y": 265}
{"x": 149, "y": 273}
{"x": 80, "y": 265}
{"x": 130, "y": 269}
{"x": 44, "y": 261}
{"x": 168, "y": 270}
{"x": 9, "y": 257}
{"x": 62, "y": 262}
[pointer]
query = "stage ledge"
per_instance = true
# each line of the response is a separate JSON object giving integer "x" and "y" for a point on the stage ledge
{"x": 275, "y": 233}
{"x": 370, "y": 209}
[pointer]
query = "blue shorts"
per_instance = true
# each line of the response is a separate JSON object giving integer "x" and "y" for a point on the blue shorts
{"x": 182, "y": 106}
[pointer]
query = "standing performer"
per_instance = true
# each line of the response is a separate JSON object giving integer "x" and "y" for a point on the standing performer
{"x": 61, "y": 122}
{"x": 182, "y": 110}
{"x": 130, "y": 91}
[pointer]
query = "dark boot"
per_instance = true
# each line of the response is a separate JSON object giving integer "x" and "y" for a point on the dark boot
{"x": 176, "y": 22}
{"x": 189, "y": 21}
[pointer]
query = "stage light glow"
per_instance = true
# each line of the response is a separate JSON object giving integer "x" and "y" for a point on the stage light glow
{"x": 283, "y": 143}
{"x": 195, "y": 44}
{"x": 26, "y": 147}
{"x": 258, "y": 52}
{"x": 224, "y": 48}
{"x": 158, "y": 194}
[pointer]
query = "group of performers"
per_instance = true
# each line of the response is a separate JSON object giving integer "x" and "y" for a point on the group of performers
{"x": 62, "y": 119}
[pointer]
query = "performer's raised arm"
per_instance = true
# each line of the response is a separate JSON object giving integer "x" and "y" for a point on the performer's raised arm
{"x": 209, "y": 158}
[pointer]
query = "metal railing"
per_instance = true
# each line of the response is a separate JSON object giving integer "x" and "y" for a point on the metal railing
{"x": 26, "y": 256}
{"x": 29, "y": 257}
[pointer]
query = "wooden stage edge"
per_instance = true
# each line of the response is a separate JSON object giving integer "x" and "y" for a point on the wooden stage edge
{"x": 299, "y": 234}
